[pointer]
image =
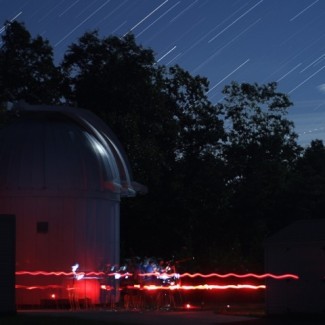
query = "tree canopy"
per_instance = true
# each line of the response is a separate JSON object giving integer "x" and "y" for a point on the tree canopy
{"x": 27, "y": 70}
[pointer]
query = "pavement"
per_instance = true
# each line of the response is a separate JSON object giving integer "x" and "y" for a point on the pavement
{"x": 148, "y": 317}
{"x": 206, "y": 317}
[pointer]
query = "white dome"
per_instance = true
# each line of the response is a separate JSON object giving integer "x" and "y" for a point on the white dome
{"x": 60, "y": 149}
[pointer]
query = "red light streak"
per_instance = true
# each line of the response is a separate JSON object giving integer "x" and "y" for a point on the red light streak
{"x": 205, "y": 287}
{"x": 166, "y": 275}
{"x": 61, "y": 273}
{"x": 50, "y": 286}
{"x": 34, "y": 273}
{"x": 154, "y": 287}
{"x": 227, "y": 275}
{"x": 247, "y": 275}
{"x": 106, "y": 287}
{"x": 223, "y": 287}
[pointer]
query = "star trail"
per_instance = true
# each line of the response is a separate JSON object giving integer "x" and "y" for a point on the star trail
{"x": 243, "y": 40}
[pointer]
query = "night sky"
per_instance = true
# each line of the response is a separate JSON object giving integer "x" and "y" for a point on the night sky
{"x": 224, "y": 40}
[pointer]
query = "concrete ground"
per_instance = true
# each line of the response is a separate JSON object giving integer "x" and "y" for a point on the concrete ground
{"x": 148, "y": 317}
{"x": 205, "y": 317}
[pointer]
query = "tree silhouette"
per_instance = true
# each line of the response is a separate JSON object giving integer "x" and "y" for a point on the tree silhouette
{"x": 27, "y": 71}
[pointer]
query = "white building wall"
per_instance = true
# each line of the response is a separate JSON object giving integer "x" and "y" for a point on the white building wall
{"x": 63, "y": 167}
{"x": 83, "y": 230}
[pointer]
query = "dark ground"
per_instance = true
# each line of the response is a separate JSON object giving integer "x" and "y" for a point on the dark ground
{"x": 238, "y": 316}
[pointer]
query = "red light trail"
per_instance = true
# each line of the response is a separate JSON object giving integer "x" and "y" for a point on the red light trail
{"x": 117, "y": 275}
{"x": 205, "y": 287}
{"x": 61, "y": 273}
{"x": 50, "y": 286}
{"x": 227, "y": 275}
{"x": 34, "y": 273}
{"x": 247, "y": 275}
{"x": 155, "y": 287}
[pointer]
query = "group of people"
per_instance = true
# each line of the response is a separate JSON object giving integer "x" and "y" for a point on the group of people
{"x": 148, "y": 272}
{"x": 151, "y": 271}
{"x": 133, "y": 276}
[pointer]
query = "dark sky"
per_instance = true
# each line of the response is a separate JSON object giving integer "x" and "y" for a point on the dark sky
{"x": 223, "y": 40}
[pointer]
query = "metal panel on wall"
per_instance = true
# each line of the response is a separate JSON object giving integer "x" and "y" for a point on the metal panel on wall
{"x": 7, "y": 264}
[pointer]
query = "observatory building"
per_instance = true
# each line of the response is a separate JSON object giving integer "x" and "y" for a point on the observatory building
{"x": 62, "y": 176}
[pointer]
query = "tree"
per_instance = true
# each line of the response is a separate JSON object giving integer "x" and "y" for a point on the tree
{"x": 114, "y": 77}
{"x": 27, "y": 71}
{"x": 255, "y": 117}
{"x": 260, "y": 150}
{"x": 165, "y": 122}
{"x": 200, "y": 131}
{"x": 305, "y": 194}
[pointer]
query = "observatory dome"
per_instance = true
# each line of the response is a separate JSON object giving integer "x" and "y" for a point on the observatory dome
{"x": 61, "y": 149}
{"x": 62, "y": 175}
